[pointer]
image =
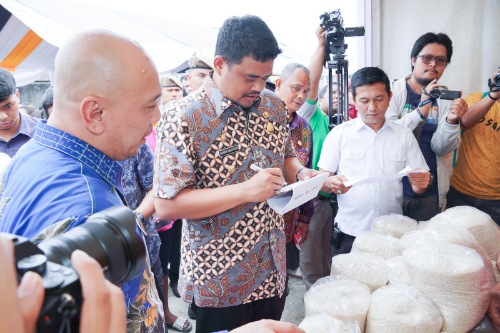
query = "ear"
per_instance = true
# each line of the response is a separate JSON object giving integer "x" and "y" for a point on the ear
{"x": 413, "y": 59}
{"x": 218, "y": 64}
{"x": 91, "y": 111}
{"x": 278, "y": 84}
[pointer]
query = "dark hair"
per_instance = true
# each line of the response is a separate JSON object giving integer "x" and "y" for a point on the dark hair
{"x": 47, "y": 102}
{"x": 430, "y": 38}
{"x": 7, "y": 84}
{"x": 246, "y": 36}
{"x": 368, "y": 76}
{"x": 31, "y": 110}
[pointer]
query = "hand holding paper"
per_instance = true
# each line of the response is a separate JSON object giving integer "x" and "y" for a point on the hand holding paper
{"x": 381, "y": 178}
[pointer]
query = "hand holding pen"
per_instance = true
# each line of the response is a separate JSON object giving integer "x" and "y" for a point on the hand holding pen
{"x": 272, "y": 177}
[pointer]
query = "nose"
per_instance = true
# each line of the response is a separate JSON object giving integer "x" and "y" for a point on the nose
{"x": 3, "y": 115}
{"x": 258, "y": 85}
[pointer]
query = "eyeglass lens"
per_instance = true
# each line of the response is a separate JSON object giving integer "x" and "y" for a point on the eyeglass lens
{"x": 427, "y": 59}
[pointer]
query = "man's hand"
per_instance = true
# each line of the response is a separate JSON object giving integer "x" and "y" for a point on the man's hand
{"x": 268, "y": 326}
{"x": 336, "y": 184}
{"x": 457, "y": 110}
{"x": 306, "y": 174}
{"x": 304, "y": 229}
{"x": 264, "y": 184}
{"x": 420, "y": 181}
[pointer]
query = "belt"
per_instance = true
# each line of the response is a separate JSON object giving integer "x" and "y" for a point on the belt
{"x": 323, "y": 197}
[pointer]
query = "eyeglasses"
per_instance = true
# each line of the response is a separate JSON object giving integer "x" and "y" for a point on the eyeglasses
{"x": 429, "y": 58}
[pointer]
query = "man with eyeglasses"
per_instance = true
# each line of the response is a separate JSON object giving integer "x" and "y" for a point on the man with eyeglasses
{"x": 435, "y": 122}
{"x": 16, "y": 128}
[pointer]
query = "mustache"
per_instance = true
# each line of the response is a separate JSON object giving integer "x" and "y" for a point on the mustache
{"x": 251, "y": 93}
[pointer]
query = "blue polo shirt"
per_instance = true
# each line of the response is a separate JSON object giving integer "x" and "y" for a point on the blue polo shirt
{"x": 53, "y": 184}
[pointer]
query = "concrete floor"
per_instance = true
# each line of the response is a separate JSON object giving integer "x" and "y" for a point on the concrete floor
{"x": 294, "y": 306}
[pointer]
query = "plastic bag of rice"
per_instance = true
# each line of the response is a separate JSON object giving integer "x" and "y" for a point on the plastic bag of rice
{"x": 455, "y": 278}
{"x": 322, "y": 323}
{"x": 399, "y": 308}
{"x": 339, "y": 297}
{"x": 396, "y": 271}
{"x": 447, "y": 233}
{"x": 367, "y": 268}
{"x": 394, "y": 224}
{"x": 385, "y": 246}
{"x": 480, "y": 224}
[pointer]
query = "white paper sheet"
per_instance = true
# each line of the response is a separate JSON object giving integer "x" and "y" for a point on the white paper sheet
{"x": 296, "y": 194}
{"x": 382, "y": 178}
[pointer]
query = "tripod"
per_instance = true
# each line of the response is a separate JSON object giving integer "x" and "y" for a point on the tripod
{"x": 340, "y": 64}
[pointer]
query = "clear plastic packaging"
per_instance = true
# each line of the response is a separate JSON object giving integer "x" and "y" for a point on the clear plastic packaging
{"x": 339, "y": 297}
{"x": 399, "y": 308}
{"x": 366, "y": 268}
{"x": 394, "y": 225}
{"x": 322, "y": 323}
{"x": 383, "y": 245}
{"x": 455, "y": 278}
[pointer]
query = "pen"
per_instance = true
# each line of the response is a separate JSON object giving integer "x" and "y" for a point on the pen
{"x": 255, "y": 167}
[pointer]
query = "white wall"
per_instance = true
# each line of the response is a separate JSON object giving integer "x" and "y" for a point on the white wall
{"x": 473, "y": 26}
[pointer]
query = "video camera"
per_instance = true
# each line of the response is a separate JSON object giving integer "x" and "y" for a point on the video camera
{"x": 109, "y": 236}
{"x": 333, "y": 23}
{"x": 444, "y": 94}
{"x": 495, "y": 83}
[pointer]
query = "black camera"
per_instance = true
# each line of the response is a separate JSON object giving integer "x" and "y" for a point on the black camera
{"x": 109, "y": 236}
{"x": 333, "y": 23}
{"x": 495, "y": 83}
{"x": 444, "y": 94}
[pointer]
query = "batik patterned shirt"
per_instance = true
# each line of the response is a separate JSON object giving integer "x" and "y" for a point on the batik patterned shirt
{"x": 205, "y": 141}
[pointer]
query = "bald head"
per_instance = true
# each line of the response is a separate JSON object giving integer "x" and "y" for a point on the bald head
{"x": 101, "y": 78}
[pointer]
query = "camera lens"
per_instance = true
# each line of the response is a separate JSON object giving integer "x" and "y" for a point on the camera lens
{"x": 110, "y": 237}
{"x": 435, "y": 93}
{"x": 496, "y": 79}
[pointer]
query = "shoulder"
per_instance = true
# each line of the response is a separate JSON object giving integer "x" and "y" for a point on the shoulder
{"x": 398, "y": 86}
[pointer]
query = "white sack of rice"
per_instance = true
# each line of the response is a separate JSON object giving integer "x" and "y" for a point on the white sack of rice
{"x": 480, "y": 224}
{"x": 422, "y": 225}
{"x": 340, "y": 297}
{"x": 447, "y": 233}
{"x": 367, "y": 268}
{"x": 399, "y": 308}
{"x": 394, "y": 224}
{"x": 322, "y": 323}
{"x": 396, "y": 270}
{"x": 385, "y": 246}
{"x": 455, "y": 278}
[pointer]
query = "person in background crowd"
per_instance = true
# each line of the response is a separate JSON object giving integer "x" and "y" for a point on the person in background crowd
{"x": 315, "y": 255}
{"x": 233, "y": 249}
{"x": 369, "y": 146}
{"x": 434, "y": 122}
{"x": 69, "y": 169}
{"x": 171, "y": 88}
{"x": 47, "y": 103}
{"x": 16, "y": 128}
{"x": 292, "y": 87}
{"x": 200, "y": 66}
{"x": 476, "y": 178}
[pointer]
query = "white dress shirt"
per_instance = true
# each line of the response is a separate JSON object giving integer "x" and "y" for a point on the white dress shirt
{"x": 356, "y": 151}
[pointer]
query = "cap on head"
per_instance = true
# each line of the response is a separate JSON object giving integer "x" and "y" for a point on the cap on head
{"x": 7, "y": 84}
{"x": 170, "y": 81}
{"x": 199, "y": 60}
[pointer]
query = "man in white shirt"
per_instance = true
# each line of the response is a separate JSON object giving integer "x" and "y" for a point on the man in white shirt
{"x": 369, "y": 146}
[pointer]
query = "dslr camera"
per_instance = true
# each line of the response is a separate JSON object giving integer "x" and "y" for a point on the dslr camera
{"x": 109, "y": 236}
{"x": 444, "y": 94}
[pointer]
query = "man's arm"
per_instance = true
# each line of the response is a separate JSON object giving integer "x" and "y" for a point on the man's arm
{"x": 199, "y": 203}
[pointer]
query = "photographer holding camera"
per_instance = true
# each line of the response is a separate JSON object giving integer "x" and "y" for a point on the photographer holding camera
{"x": 475, "y": 180}
{"x": 433, "y": 120}
{"x": 106, "y": 93}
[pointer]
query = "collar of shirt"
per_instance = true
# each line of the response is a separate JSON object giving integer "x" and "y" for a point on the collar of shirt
{"x": 219, "y": 102}
{"x": 359, "y": 124}
{"x": 27, "y": 125}
{"x": 51, "y": 137}
{"x": 295, "y": 121}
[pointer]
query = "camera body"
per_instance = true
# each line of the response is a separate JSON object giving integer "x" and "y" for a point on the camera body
{"x": 63, "y": 295}
{"x": 333, "y": 23}
{"x": 444, "y": 94}
{"x": 495, "y": 83}
{"x": 110, "y": 237}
